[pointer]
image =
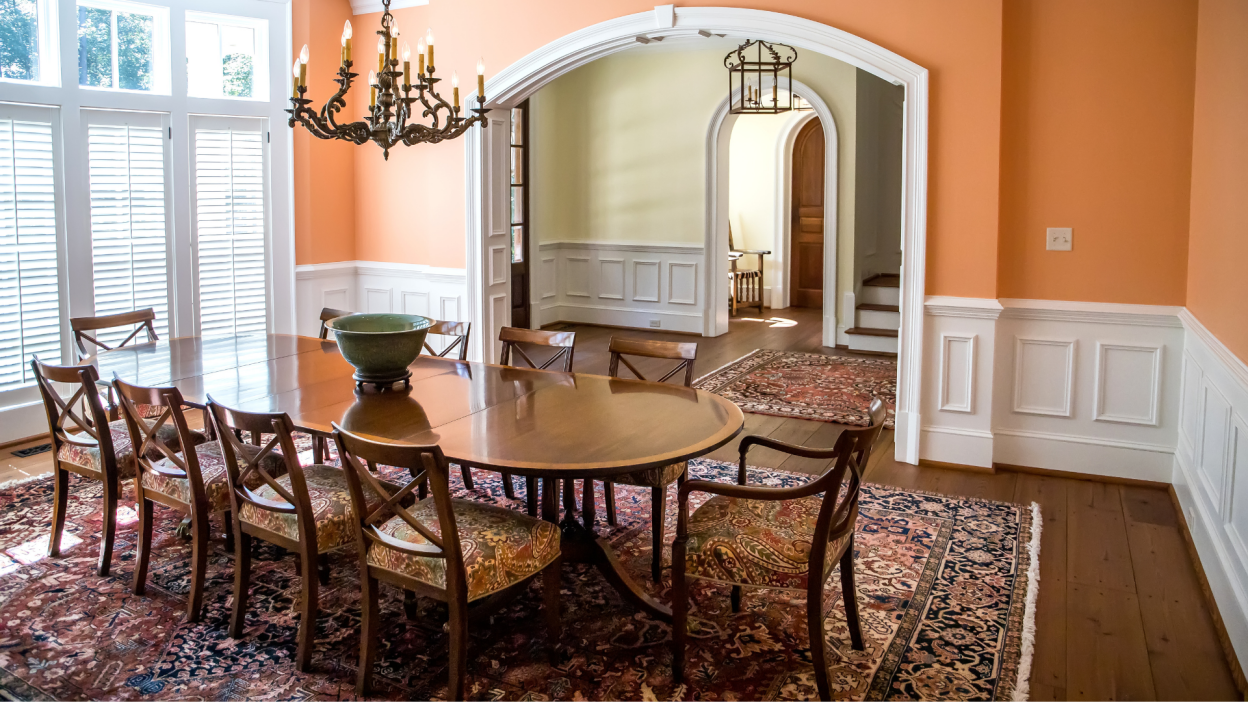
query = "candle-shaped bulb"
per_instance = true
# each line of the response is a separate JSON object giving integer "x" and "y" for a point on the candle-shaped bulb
{"x": 303, "y": 54}
{"x": 407, "y": 52}
{"x": 481, "y": 79}
{"x": 394, "y": 28}
{"x": 454, "y": 79}
{"x": 429, "y": 37}
{"x": 381, "y": 45}
{"x": 294, "y": 83}
{"x": 420, "y": 57}
{"x": 455, "y": 88}
{"x": 343, "y": 41}
{"x": 481, "y": 66}
{"x": 346, "y": 30}
{"x": 372, "y": 78}
{"x": 294, "y": 70}
{"x": 429, "y": 47}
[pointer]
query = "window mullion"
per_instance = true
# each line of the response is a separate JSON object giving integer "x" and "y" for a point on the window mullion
{"x": 112, "y": 30}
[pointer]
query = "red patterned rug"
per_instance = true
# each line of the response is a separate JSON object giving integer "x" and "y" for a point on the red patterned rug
{"x": 807, "y": 385}
{"x": 944, "y": 585}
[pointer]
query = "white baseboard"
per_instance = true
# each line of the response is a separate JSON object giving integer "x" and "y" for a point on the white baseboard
{"x": 1083, "y": 454}
{"x": 969, "y": 447}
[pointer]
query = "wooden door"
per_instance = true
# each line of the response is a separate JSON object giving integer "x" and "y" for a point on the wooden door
{"x": 806, "y": 243}
{"x": 519, "y": 208}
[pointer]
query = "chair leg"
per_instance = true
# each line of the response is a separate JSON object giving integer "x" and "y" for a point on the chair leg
{"x": 322, "y": 569}
{"x": 569, "y": 497}
{"x": 110, "y": 526}
{"x": 608, "y": 492}
{"x": 658, "y": 523}
{"x": 145, "y": 544}
{"x": 680, "y": 611}
{"x": 308, "y": 612}
{"x": 550, "y": 593}
{"x": 466, "y": 472}
{"x": 242, "y": 581}
{"x": 411, "y": 605}
{"x": 457, "y": 672}
{"x": 530, "y": 495}
{"x": 227, "y": 521}
{"x": 369, "y": 619}
{"x": 508, "y": 489}
{"x": 736, "y": 599}
{"x": 318, "y": 449}
{"x": 849, "y": 592}
{"x": 199, "y": 564}
{"x": 818, "y": 647}
{"x": 587, "y": 505}
{"x": 60, "y": 502}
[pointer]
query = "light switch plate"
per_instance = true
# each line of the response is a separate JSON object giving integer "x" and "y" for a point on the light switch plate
{"x": 1059, "y": 239}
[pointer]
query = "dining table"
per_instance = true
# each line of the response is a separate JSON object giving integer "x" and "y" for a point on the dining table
{"x": 551, "y": 425}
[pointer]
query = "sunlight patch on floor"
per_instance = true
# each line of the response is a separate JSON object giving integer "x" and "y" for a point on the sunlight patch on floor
{"x": 33, "y": 551}
{"x": 773, "y": 322}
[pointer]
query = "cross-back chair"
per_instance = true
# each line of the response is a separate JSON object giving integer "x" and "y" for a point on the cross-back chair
{"x": 82, "y": 328}
{"x": 306, "y": 510}
{"x": 513, "y": 354}
{"x": 328, "y": 313}
{"x": 85, "y": 444}
{"x": 816, "y": 532}
{"x": 657, "y": 479}
{"x": 192, "y": 482}
{"x": 459, "y": 330}
{"x": 420, "y": 548}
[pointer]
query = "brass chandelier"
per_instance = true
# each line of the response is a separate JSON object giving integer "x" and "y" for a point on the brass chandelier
{"x": 390, "y": 118}
{"x": 756, "y": 70}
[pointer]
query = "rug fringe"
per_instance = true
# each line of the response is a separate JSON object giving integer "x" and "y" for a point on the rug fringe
{"x": 1022, "y": 688}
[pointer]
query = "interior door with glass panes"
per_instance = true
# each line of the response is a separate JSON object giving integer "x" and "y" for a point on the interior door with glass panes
{"x": 519, "y": 198}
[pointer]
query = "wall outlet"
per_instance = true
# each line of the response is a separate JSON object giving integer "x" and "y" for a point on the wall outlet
{"x": 1059, "y": 239}
{"x": 654, "y": 324}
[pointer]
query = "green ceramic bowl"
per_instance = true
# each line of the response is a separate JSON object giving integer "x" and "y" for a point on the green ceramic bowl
{"x": 380, "y": 346}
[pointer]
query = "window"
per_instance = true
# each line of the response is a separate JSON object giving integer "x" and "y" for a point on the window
{"x": 231, "y": 213}
{"x": 225, "y": 56}
{"x": 129, "y": 228}
{"x": 29, "y": 283}
{"x": 123, "y": 46}
{"x": 27, "y": 41}
{"x": 519, "y": 164}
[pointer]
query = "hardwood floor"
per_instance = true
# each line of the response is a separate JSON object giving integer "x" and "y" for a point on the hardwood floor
{"x": 1120, "y": 613}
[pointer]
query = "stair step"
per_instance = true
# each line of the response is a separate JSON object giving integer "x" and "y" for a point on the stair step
{"x": 871, "y": 331}
{"x": 884, "y": 280}
{"x": 879, "y": 308}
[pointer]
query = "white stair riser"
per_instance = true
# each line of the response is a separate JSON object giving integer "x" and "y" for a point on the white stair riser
{"x": 878, "y": 295}
{"x": 877, "y": 319}
{"x": 879, "y": 344}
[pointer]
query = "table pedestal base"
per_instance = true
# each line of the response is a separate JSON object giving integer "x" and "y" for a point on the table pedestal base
{"x": 582, "y": 544}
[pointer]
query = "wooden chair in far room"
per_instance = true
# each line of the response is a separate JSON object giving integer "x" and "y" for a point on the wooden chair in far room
{"x": 86, "y": 330}
{"x": 513, "y": 354}
{"x": 328, "y": 313}
{"x": 81, "y": 448}
{"x": 746, "y": 289}
{"x": 657, "y": 479}
{"x": 718, "y": 540}
{"x": 306, "y": 511}
{"x": 192, "y": 482}
{"x": 420, "y": 549}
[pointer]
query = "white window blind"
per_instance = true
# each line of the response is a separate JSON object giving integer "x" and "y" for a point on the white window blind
{"x": 29, "y": 285}
{"x": 129, "y": 224}
{"x": 231, "y": 220}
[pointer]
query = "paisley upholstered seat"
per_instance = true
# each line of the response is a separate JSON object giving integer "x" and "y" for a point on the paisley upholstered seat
{"x": 755, "y": 542}
{"x": 212, "y": 468}
{"x": 89, "y": 456}
{"x": 331, "y": 508}
{"x": 653, "y": 477}
{"x": 501, "y": 547}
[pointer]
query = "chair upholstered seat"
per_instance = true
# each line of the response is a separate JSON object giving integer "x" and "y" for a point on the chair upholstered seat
{"x": 765, "y": 543}
{"x": 331, "y": 507}
{"x": 653, "y": 477}
{"x": 212, "y": 468}
{"x": 89, "y": 456}
{"x": 501, "y": 547}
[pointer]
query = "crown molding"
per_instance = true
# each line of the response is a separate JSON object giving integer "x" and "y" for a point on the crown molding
{"x": 364, "y": 7}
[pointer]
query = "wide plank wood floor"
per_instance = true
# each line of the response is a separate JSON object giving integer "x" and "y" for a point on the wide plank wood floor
{"x": 1120, "y": 613}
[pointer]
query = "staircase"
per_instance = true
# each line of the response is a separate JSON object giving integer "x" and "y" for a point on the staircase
{"x": 878, "y": 316}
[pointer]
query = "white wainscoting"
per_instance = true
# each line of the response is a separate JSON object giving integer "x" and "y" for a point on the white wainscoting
{"x": 1210, "y": 472}
{"x": 960, "y": 338}
{"x": 369, "y": 286}
{"x": 620, "y": 284}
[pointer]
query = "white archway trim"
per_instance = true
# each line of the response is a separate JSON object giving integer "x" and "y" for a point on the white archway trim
{"x": 530, "y": 73}
{"x": 780, "y": 287}
{"x": 718, "y": 138}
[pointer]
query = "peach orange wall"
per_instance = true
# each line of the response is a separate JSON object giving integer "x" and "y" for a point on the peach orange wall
{"x": 1096, "y": 107}
{"x": 411, "y": 209}
{"x": 1217, "y": 284}
{"x": 324, "y": 170}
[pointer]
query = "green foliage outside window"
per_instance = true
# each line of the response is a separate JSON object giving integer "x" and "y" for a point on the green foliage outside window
{"x": 95, "y": 47}
{"x": 134, "y": 51}
{"x": 19, "y": 40}
{"x": 236, "y": 74}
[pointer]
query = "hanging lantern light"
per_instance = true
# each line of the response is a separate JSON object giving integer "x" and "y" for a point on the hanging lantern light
{"x": 758, "y": 71}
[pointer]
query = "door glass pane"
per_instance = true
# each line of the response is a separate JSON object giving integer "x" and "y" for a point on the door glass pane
{"x": 237, "y": 51}
{"x": 203, "y": 59}
{"x": 517, "y": 126}
{"x": 19, "y": 50}
{"x": 517, "y": 205}
{"x": 95, "y": 47}
{"x": 134, "y": 51}
{"x": 517, "y": 165}
{"x": 517, "y": 244}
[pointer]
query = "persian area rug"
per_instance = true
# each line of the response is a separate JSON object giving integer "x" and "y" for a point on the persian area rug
{"x": 807, "y": 385}
{"x": 946, "y": 586}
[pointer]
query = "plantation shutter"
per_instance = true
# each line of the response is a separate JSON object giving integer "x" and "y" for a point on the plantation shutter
{"x": 29, "y": 283}
{"x": 127, "y": 166}
{"x": 231, "y": 225}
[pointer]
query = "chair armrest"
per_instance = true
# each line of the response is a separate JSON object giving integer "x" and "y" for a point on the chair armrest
{"x": 746, "y": 492}
{"x": 791, "y": 449}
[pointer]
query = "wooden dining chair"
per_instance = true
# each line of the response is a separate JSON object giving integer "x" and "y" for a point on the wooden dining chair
{"x": 657, "y": 479}
{"x": 192, "y": 482}
{"x": 458, "y": 330}
{"x": 79, "y": 446}
{"x": 307, "y": 510}
{"x": 328, "y": 313}
{"x": 805, "y": 533}
{"x": 513, "y": 354}
{"x": 421, "y": 548}
{"x": 87, "y": 329}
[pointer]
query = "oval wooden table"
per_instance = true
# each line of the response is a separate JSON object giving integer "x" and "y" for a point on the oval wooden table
{"x": 546, "y": 424}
